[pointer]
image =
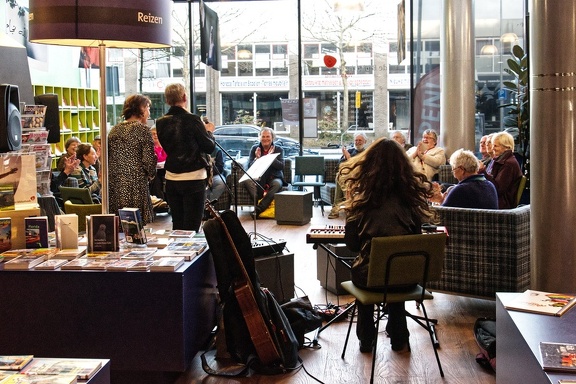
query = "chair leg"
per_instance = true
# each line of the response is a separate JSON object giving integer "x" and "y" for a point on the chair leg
{"x": 379, "y": 316}
{"x": 431, "y": 331}
{"x": 349, "y": 329}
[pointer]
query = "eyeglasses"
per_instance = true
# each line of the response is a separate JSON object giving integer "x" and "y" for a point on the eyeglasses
{"x": 454, "y": 169}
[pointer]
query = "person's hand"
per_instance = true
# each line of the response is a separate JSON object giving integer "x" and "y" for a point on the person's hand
{"x": 258, "y": 153}
{"x": 70, "y": 164}
{"x": 271, "y": 149}
{"x": 345, "y": 153}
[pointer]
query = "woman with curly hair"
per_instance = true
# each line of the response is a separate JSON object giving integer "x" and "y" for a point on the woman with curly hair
{"x": 385, "y": 197}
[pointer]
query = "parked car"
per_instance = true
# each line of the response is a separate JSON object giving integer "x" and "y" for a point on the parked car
{"x": 239, "y": 138}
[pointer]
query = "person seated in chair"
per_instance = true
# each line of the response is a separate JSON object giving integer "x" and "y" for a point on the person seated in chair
{"x": 426, "y": 156}
{"x": 70, "y": 147}
{"x": 503, "y": 171}
{"x": 385, "y": 197}
{"x": 86, "y": 173}
{"x": 472, "y": 190}
{"x": 273, "y": 178}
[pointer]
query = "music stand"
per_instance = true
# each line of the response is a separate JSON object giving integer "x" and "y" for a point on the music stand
{"x": 255, "y": 172}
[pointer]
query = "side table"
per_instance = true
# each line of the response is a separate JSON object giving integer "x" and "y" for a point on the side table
{"x": 293, "y": 207}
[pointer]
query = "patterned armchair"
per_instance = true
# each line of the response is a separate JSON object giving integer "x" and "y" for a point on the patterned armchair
{"x": 488, "y": 251}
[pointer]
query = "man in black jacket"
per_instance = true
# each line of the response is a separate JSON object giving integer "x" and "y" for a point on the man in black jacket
{"x": 187, "y": 143}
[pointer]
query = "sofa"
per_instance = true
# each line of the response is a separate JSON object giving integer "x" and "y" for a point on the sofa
{"x": 488, "y": 251}
{"x": 227, "y": 198}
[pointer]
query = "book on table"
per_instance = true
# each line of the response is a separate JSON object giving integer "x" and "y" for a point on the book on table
{"x": 181, "y": 233}
{"x": 36, "y": 228}
{"x": 141, "y": 266}
{"x": 545, "y": 303}
{"x": 70, "y": 253}
{"x": 121, "y": 265}
{"x": 6, "y": 374}
{"x": 102, "y": 232}
{"x": 166, "y": 264}
{"x": 140, "y": 255}
{"x": 83, "y": 369}
{"x": 66, "y": 231}
{"x": 132, "y": 225}
{"x": 75, "y": 264}
{"x": 51, "y": 264}
{"x": 21, "y": 378}
{"x": 14, "y": 362}
{"x": 24, "y": 262}
{"x": 559, "y": 357}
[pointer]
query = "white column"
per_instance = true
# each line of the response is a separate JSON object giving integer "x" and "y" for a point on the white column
{"x": 457, "y": 103}
{"x": 553, "y": 145}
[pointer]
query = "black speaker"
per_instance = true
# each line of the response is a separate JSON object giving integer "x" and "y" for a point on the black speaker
{"x": 52, "y": 117}
{"x": 10, "y": 120}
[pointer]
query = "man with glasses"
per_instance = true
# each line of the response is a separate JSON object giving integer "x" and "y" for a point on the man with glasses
{"x": 472, "y": 190}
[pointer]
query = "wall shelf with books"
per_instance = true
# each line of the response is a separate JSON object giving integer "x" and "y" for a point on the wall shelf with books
{"x": 79, "y": 114}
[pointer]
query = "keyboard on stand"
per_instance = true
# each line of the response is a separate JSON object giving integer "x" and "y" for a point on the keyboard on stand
{"x": 326, "y": 234}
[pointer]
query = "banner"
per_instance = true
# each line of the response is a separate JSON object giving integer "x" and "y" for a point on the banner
{"x": 427, "y": 104}
{"x": 209, "y": 37}
{"x": 401, "y": 31}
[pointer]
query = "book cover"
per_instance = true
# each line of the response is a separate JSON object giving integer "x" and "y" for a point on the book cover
{"x": 132, "y": 225}
{"x": 6, "y": 197}
{"x": 121, "y": 265}
{"x": 181, "y": 233}
{"x": 51, "y": 264}
{"x": 98, "y": 264}
{"x": 142, "y": 255}
{"x": 24, "y": 262}
{"x": 70, "y": 253}
{"x": 83, "y": 369}
{"x": 558, "y": 356}
{"x": 75, "y": 264}
{"x": 191, "y": 245}
{"x": 6, "y": 374}
{"x": 545, "y": 303}
{"x": 103, "y": 233}
{"x": 14, "y": 362}
{"x": 141, "y": 266}
{"x": 36, "y": 231}
{"x": 66, "y": 229}
{"x": 187, "y": 255}
{"x": 166, "y": 264}
{"x": 5, "y": 234}
{"x": 20, "y": 378}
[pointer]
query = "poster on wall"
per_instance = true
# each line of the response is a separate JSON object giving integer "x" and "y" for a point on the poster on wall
{"x": 16, "y": 21}
{"x": 209, "y": 37}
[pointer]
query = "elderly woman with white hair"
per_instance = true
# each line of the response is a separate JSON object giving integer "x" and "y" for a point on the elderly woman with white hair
{"x": 472, "y": 190}
{"x": 504, "y": 171}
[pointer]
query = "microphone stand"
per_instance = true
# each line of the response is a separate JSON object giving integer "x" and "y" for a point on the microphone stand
{"x": 235, "y": 166}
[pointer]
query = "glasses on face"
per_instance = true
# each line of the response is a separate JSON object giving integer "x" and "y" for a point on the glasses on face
{"x": 455, "y": 169}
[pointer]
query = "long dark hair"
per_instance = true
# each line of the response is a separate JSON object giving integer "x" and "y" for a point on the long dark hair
{"x": 381, "y": 171}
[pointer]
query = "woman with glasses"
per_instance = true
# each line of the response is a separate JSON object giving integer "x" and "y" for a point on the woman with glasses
{"x": 472, "y": 190}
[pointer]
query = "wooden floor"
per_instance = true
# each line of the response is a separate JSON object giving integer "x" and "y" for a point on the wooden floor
{"x": 456, "y": 315}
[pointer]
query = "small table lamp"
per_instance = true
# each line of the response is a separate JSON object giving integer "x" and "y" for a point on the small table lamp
{"x": 104, "y": 23}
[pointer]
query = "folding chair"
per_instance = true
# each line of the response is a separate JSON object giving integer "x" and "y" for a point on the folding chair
{"x": 309, "y": 172}
{"x": 410, "y": 260}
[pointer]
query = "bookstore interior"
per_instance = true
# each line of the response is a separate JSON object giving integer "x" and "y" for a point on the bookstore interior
{"x": 110, "y": 272}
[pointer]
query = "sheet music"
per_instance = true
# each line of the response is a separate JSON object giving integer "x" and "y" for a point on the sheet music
{"x": 259, "y": 166}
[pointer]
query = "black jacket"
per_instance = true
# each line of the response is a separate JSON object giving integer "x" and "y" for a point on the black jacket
{"x": 185, "y": 140}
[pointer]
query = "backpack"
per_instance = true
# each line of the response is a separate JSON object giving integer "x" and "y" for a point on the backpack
{"x": 226, "y": 236}
{"x": 485, "y": 336}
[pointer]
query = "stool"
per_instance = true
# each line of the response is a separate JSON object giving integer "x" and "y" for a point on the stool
{"x": 293, "y": 207}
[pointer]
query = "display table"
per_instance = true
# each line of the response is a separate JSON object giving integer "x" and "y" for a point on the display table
{"x": 293, "y": 207}
{"x": 143, "y": 322}
{"x": 518, "y": 343}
